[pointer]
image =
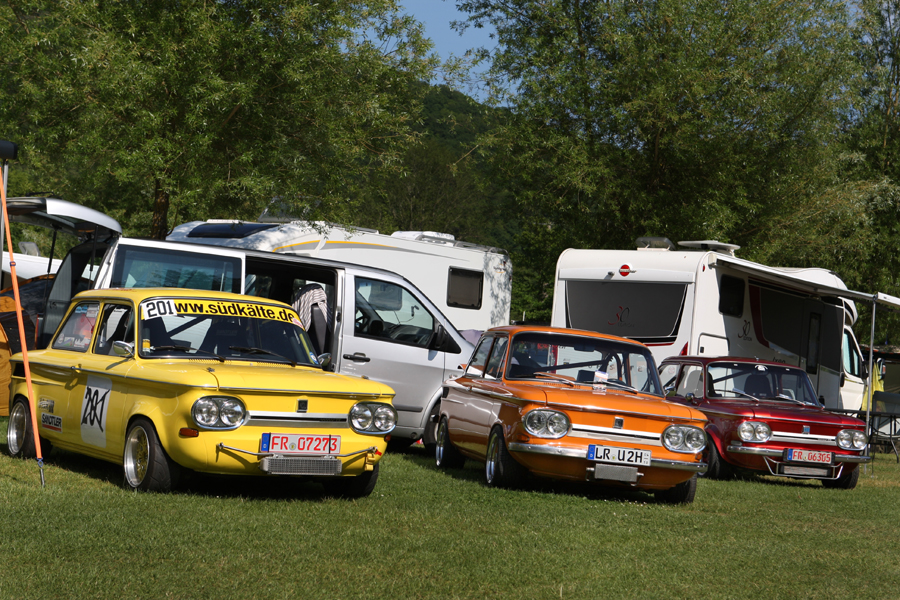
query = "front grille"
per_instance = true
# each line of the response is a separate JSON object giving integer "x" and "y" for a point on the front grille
{"x": 616, "y": 473}
{"x": 300, "y": 465}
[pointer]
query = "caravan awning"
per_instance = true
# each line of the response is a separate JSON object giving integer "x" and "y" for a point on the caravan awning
{"x": 793, "y": 279}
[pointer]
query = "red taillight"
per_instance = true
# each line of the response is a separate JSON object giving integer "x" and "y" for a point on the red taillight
{"x": 188, "y": 432}
{"x": 683, "y": 350}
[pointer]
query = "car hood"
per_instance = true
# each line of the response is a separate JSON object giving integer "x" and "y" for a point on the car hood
{"x": 590, "y": 401}
{"x": 778, "y": 411}
{"x": 255, "y": 376}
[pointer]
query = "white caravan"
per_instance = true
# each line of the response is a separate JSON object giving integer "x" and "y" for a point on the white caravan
{"x": 371, "y": 322}
{"x": 471, "y": 284}
{"x": 708, "y": 302}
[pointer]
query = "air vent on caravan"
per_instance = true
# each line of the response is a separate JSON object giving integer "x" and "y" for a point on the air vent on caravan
{"x": 713, "y": 245}
{"x": 654, "y": 243}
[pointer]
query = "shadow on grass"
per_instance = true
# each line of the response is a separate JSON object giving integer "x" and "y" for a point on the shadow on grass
{"x": 474, "y": 471}
{"x": 199, "y": 484}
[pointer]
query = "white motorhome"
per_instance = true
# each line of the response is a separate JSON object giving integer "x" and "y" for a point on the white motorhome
{"x": 370, "y": 322}
{"x": 708, "y": 302}
{"x": 471, "y": 284}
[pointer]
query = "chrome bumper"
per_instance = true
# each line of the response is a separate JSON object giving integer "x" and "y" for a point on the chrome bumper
{"x": 768, "y": 452}
{"x": 582, "y": 454}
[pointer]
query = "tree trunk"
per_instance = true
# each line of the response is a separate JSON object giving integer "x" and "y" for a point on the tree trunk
{"x": 159, "y": 224}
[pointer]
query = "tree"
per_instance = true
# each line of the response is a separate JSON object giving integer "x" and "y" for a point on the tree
{"x": 693, "y": 119}
{"x": 167, "y": 111}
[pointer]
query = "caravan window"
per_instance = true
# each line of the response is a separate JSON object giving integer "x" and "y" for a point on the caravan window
{"x": 641, "y": 311}
{"x": 143, "y": 267}
{"x": 464, "y": 288}
{"x": 731, "y": 296}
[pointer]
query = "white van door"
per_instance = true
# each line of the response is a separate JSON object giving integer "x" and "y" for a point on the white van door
{"x": 389, "y": 342}
{"x": 854, "y": 380}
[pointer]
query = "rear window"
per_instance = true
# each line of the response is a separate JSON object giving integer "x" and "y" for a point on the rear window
{"x": 158, "y": 267}
{"x": 641, "y": 311}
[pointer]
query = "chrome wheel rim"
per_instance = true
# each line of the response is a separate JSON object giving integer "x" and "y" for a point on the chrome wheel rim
{"x": 493, "y": 456}
{"x": 15, "y": 432}
{"x": 137, "y": 456}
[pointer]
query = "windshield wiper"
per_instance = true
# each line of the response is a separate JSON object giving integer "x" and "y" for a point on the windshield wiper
{"x": 554, "y": 377}
{"x": 794, "y": 400}
{"x": 219, "y": 357}
{"x": 261, "y": 351}
{"x": 621, "y": 385}
{"x": 743, "y": 393}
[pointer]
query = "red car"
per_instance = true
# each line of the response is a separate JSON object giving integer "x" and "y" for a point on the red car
{"x": 765, "y": 417}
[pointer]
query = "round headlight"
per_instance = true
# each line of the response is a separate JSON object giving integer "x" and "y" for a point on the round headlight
{"x": 745, "y": 431}
{"x": 695, "y": 439}
{"x": 385, "y": 418}
{"x": 762, "y": 432}
{"x": 361, "y": 416}
{"x": 674, "y": 438}
{"x": 845, "y": 438}
{"x": 859, "y": 440}
{"x": 205, "y": 412}
{"x": 557, "y": 425}
{"x": 536, "y": 422}
{"x": 231, "y": 412}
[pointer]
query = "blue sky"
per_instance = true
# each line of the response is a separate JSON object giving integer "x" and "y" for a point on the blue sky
{"x": 437, "y": 16}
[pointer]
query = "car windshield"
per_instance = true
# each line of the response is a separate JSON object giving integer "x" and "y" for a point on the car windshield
{"x": 576, "y": 360}
{"x": 219, "y": 330}
{"x": 746, "y": 380}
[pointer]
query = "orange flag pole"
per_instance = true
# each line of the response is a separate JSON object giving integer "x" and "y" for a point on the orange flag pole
{"x": 9, "y": 150}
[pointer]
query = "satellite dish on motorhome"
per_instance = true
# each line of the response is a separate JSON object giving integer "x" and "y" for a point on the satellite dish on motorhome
{"x": 713, "y": 245}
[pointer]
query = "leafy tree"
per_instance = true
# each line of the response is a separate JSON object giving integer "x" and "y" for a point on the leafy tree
{"x": 693, "y": 119}
{"x": 170, "y": 110}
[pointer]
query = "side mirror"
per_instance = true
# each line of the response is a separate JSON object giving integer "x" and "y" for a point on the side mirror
{"x": 843, "y": 378}
{"x": 324, "y": 361}
{"x": 438, "y": 338}
{"x": 123, "y": 349}
{"x": 692, "y": 399}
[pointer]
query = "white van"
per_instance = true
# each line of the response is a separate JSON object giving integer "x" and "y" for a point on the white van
{"x": 373, "y": 323}
{"x": 708, "y": 302}
{"x": 471, "y": 284}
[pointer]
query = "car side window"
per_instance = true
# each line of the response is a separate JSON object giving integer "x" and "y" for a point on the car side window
{"x": 75, "y": 334}
{"x": 117, "y": 325}
{"x": 667, "y": 375}
{"x": 691, "y": 381}
{"x": 495, "y": 363}
{"x": 476, "y": 366}
{"x": 391, "y": 312}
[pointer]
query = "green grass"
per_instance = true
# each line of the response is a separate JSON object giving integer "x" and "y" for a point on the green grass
{"x": 429, "y": 534}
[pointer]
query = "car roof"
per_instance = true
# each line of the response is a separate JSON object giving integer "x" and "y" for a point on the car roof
{"x": 738, "y": 359}
{"x": 514, "y": 329}
{"x": 139, "y": 294}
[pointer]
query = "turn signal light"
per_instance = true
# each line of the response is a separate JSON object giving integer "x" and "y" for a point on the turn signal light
{"x": 188, "y": 432}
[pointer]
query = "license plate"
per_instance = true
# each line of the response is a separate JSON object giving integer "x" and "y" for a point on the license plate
{"x": 296, "y": 443}
{"x": 622, "y": 456}
{"x": 808, "y": 456}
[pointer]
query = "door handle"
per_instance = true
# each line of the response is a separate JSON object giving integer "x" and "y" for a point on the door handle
{"x": 357, "y": 357}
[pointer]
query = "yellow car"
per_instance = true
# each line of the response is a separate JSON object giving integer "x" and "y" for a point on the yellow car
{"x": 161, "y": 380}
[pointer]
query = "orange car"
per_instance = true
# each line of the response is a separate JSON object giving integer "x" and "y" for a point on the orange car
{"x": 569, "y": 404}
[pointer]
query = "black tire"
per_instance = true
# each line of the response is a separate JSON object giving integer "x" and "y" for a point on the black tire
{"x": 847, "y": 480}
{"x": 446, "y": 455}
{"x": 717, "y": 468}
{"x": 429, "y": 436}
{"x": 358, "y": 486}
{"x": 683, "y": 493}
{"x": 19, "y": 437}
{"x": 500, "y": 468}
{"x": 146, "y": 465}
